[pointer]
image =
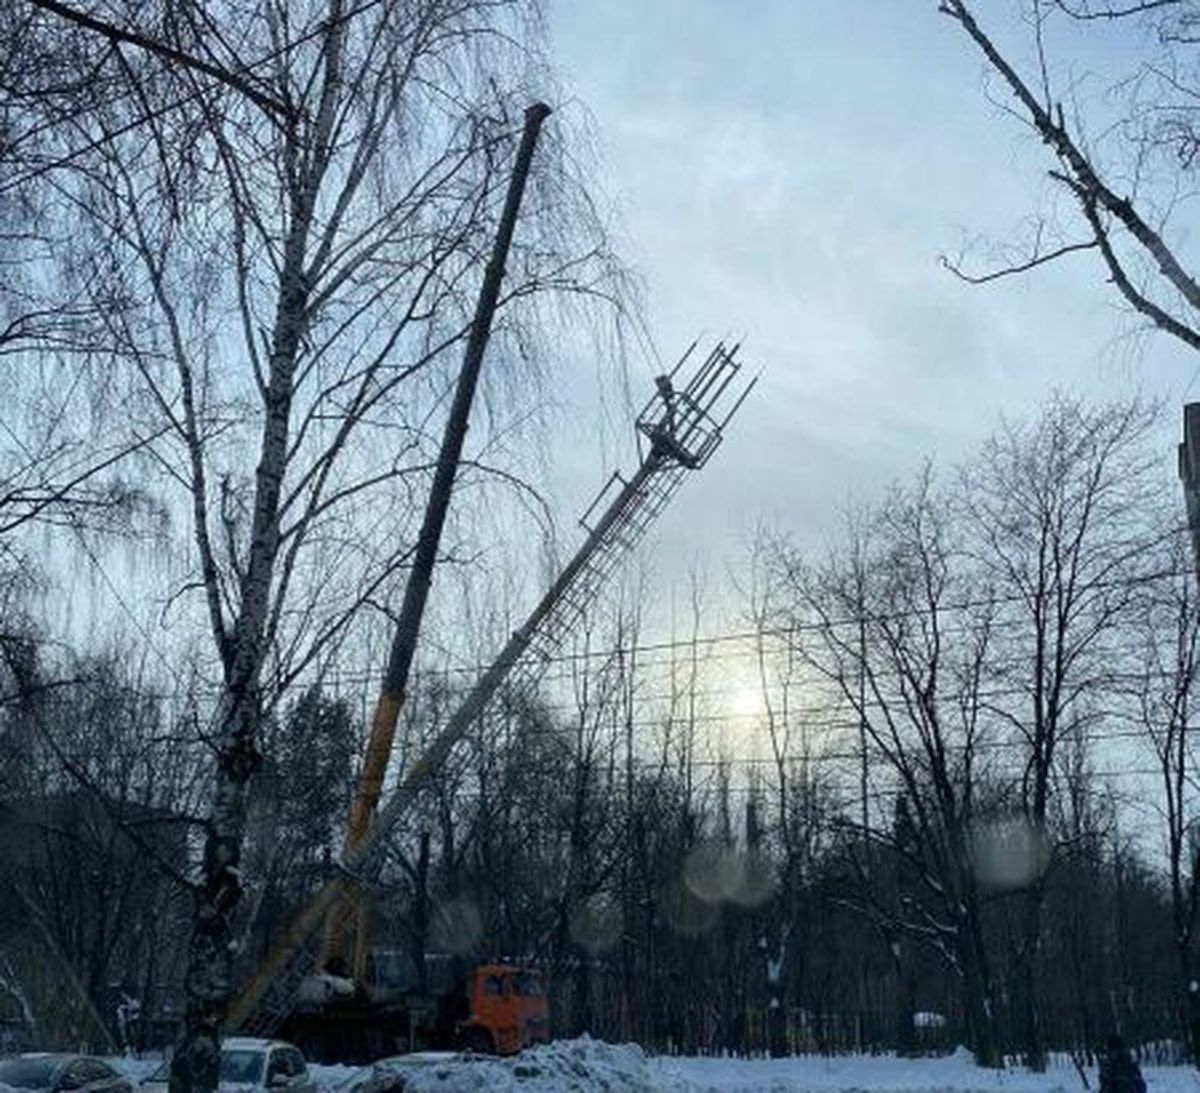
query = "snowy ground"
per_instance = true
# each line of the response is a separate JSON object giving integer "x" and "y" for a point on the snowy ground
{"x": 884, "y": 1074}
{"x": 588, "y": 1066}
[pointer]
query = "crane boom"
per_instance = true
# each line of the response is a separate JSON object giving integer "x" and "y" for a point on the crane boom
{"x": 680, "y": 431}
{"x": 420, "y": 576}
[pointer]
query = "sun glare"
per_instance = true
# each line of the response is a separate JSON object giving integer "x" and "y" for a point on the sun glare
{"x": 745, "y": 702}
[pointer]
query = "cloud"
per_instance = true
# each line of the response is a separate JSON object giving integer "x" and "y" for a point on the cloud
{"x": 791, "y": 174}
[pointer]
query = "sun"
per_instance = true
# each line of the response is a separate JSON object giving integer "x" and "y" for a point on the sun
{"x": 745, "y": 702}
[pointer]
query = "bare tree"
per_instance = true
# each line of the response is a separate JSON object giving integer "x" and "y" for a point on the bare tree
{"x": 799, "y": 791}
{"x": 881, "y": 626}
{"x": 1170, "y": 633}
{"x": 45, "y": 76}
{"x": 293, "y": 285}
{"x": 101, "y": 798}
{"x": 65, "y": 446}
{"x": 1055, "y": 517}
{"x": 1124, "y": 180}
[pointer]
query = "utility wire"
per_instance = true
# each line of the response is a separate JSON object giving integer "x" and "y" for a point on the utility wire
{"x": 710, "y": 641}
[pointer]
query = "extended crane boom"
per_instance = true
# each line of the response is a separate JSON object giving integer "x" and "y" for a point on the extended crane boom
{"x": 681, "y": 429}
{"x": 420, "y": 576}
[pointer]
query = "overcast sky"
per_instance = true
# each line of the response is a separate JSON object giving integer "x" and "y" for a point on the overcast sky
{"x": 789, "y": 173}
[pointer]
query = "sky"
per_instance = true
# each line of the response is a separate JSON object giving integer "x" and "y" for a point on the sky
{"x": 788, "y": 173}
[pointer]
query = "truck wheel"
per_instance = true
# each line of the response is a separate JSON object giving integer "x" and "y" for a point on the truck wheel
{"x": 478, "y": 1041}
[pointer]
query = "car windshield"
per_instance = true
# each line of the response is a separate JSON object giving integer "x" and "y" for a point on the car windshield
{"x": 528, "y": 984}
{"x": 28, "y": 1073}
{"x": 240, "y": 1067}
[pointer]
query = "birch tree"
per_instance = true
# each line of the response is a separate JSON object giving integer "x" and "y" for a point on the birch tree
{"x": 294, "y": 253}
{"x": 64, "y": 452}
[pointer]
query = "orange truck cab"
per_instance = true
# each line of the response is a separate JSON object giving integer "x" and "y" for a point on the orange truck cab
{"x": 508, "y": 1010}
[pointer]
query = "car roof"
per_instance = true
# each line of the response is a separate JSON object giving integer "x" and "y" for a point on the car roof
{"x": 417, "y": 1058}
{"x": 56, "y": 1060}
{"x": 252, "y": 1043}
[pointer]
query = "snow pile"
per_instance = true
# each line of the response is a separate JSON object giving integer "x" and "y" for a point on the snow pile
{"x": 585, "y": 1065}
{"x": 956, "y": 1073}
{"x": 565, "y": 1066}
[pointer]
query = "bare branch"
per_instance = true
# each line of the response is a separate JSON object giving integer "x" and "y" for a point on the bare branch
{"x": 1084, "y": 11}
{"x": 1081, "y": 176}
{"x": 1021, "y": 267}
{"x": 117, "y": 34}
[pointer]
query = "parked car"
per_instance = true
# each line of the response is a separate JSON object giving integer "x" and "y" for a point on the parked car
{"x": 62, "y": 1074}
{"x": 391, "y": 1075}
{"x": 249, "y": 1063}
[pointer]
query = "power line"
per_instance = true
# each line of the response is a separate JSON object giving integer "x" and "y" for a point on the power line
{"x": 810, "y": 716}
{"x": 710, "y": 641}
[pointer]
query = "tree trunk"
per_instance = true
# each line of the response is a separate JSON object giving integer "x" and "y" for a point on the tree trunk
{"x": 207, "y": 983}
{"x": 1029, "y": 1023}
{"x": 977, "y": 997}
{"x": 1191, "y": 991}
{"x": 583, "y": 992}
{"x": 906, "y": 1033}
{"x": 420, "y": 916}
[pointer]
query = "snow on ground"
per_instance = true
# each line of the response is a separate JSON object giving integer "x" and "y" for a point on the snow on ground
{"x": 955, "y": 1073}
{"x": 590, "y": 1066}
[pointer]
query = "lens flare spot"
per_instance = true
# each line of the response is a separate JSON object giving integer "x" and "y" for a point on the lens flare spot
{"x": 1009, "y": 853}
